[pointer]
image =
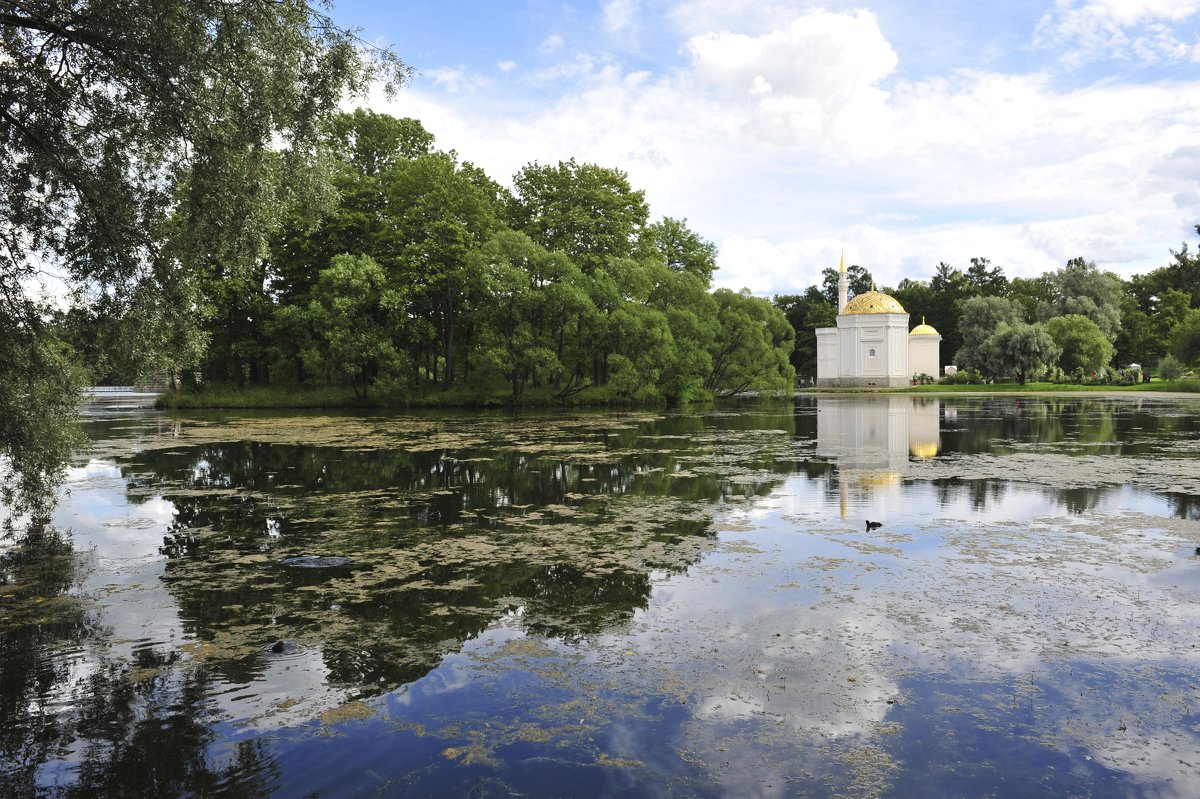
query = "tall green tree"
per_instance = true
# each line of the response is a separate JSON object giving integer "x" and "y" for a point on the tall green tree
{"x": 366, "y": 144}
{"x": 1021, "y": 350}
{"x": 1184, "y": 341}
{"x": 681, "y": 248}
{"x": 1083, "y": 344}
{"x": 117, "y": 117}
{"x": 364, "y": 149}
{"x": 438, "y": 214}
{"x": 354, "y": 313}
{"x": 1081, "y": 288}
{"x": 1136, "y": 342}
{"x": 950, "y": 289}
{"x": 981, "y": 318}
{"x": 918, "y": 299}
{"x": 987, "y": 280}
{"x": 532, "y": 294}
{"x": 691, "y": 313}
{"x": 805, "y": 313}
{"x": 752, "y": 346}
{"x": 589, "y": 212}
{"x": 1033, "y": 293}
{"x": 1182, "y": 274}
{"x": 858, "y": 281}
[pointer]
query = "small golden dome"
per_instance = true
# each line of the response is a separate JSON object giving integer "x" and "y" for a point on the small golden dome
{"x": 873, "y": 302}
{"x": 923, "y": 329}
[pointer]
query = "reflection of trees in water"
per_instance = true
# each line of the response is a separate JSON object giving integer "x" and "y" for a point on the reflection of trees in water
{"x": 1076, "y": 426}
{"x": 138, "y": 729}
{"x": 1111, "y": 426}
{"x": 1184, "y": 506}
{"x": 39, "y": 625}
{"x": 982, "y": 494}
{"x": 151, "y": 737}
{"x": 979, "y": 494}
{"x": 1081, "y": 500}
{"x": 560, "y": 540}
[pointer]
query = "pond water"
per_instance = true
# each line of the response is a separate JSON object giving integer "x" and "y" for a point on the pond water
{"x": 663, "y": 604}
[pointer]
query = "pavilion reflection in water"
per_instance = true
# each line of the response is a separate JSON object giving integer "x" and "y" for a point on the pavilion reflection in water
{"x": 872, "y": 438}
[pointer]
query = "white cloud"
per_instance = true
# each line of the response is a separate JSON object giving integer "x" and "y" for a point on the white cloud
{"x": 456, "y": 80}
{"x": 619, "y": 14}
{"x": 581, "y": 66}
{"x": 551, "y": 44}
{"x": 1183, "y": 168}
{"x": 1023, "y": 249}
{"x": 800, "y": 77}
{"x": 786, "y": 145}
{"x": 506, "y": 66}
{"x": 1143, "y": 31}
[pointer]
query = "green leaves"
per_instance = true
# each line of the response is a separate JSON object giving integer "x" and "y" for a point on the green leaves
{"x": 561, "y": 287}
{"x": 147, "y": 151}
{"x": 1082, "y": 342}
{"x": 1185, "y": 339}
{"x": 352, "y": 311}
{"x": 981, "y": 318}
{"x": 588, "y": 212}
{"x": 752, "y": 346}
{"x": 1019, "y": 350}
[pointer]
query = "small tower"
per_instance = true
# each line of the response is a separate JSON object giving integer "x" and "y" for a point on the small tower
{"x": 843, "y": 283}
{"x": 924, "y": 350}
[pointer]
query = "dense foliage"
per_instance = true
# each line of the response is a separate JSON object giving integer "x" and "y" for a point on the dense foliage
{"x": 143, "y": 145}
{"x": 426, "y": 275}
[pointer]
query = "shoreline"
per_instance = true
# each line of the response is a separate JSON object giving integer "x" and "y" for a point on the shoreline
{"x": 327, "y": 399}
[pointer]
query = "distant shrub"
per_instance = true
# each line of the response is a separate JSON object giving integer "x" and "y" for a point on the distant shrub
{"x": 963, "y": 377}
{"x": 1169, "y": 368}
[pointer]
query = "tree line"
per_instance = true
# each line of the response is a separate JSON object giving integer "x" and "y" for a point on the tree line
{"x": 1067, "y": 324}
{"x": 421, "y": 273}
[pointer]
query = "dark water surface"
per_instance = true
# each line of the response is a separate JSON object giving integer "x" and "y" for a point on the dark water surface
{"x": 617, "y": 604}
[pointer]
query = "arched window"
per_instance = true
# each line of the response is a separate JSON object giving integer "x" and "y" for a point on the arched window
{"x": 871, "y": 353}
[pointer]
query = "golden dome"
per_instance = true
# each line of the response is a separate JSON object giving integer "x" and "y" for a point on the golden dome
{"x": 923, "y": 329}
{"x": 873, "y": 302}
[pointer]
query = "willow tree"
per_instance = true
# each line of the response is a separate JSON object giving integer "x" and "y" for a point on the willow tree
{"x": 144, "y": 144}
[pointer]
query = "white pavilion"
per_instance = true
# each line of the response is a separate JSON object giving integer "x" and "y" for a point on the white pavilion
{"x": 872, "y": 345}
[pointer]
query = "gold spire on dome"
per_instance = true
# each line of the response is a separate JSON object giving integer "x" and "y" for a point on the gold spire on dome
{"x": 842, "y": 262}
{"x": 923, "y": 329}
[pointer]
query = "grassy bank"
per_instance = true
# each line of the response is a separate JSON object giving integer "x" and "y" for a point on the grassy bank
{"x": 1187, "y": 386}
{"x": 299, "y": 398}
{"x": 1180, "y": 386}
{"x": 218, "y": 397}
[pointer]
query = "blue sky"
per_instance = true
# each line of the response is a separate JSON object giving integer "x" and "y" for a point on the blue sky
{"x": 907, "y": 133}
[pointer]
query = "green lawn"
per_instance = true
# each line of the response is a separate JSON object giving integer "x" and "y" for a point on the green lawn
{"x": 1190, "y": 386}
